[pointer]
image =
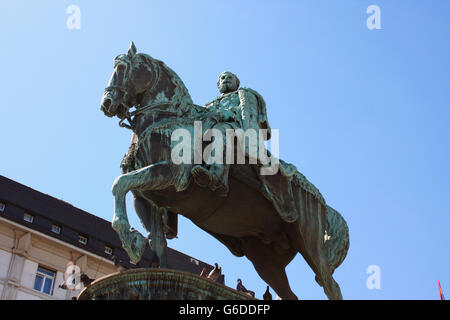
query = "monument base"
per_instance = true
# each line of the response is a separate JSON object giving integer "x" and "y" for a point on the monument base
{"x": 158, "y": 284}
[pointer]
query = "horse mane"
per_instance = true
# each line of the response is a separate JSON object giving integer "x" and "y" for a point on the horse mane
{"x": 174, "y": 78}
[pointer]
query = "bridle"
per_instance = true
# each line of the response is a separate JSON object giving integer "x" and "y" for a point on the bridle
{"x": 126, "y": 90}
{"x": 119, "y": 88}
{"x": 131, "y": 121}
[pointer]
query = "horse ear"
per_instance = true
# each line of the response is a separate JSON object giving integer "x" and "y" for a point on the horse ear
{"x": 132, "y": 50}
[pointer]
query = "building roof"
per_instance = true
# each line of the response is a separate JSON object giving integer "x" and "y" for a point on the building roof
{"x": 47, "y": 211}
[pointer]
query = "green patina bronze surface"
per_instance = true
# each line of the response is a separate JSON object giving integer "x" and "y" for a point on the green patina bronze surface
{"x": 158, "y": 284}
{"x": 267, "y": 218}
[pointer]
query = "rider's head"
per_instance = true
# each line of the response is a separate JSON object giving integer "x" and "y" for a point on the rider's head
{"x": 227, "y": 82}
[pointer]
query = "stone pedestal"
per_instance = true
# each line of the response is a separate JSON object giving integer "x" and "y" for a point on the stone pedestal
{"x": 158, "y": 284}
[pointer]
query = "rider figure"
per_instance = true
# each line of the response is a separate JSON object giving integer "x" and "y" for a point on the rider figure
{"x": 235, "y": 108}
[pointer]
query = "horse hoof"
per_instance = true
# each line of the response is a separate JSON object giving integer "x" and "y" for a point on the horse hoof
{"x": 202, "y": 177}
{"x": 139, "y": 243}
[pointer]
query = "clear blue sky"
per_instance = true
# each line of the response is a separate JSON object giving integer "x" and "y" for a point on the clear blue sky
{"x": 363, "y": 114}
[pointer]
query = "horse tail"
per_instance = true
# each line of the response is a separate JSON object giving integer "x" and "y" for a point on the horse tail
{"x": 338, "y": 243}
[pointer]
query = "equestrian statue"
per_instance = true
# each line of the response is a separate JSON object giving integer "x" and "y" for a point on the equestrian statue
{"x": 262, "y": 208}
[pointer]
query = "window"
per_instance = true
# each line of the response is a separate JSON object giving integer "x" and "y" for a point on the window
{"x": 28, "y": 217}
{"x": 82, "y": 239}
{"x": 195, "y": 261}
{"x": 56, "y": 229}
{"x": 2, "y": 207}
{"x": 108, "y": 250}
{"x": 44, "y": 280}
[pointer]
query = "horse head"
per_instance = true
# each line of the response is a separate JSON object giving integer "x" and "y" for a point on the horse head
{"x": 130, "y": 78}
{"x": 138, "y": 80}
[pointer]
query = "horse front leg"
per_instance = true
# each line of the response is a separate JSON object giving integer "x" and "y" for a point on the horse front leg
{"x": 158, "y": 241}
{"x": 153, "y": 177}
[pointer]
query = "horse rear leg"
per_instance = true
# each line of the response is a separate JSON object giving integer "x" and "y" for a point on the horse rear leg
{"x": 270, "y": 265}
{"x": 316, "y": 256}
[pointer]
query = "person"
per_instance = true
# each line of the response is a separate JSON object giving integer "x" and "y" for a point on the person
{"x": 235, "y": 108}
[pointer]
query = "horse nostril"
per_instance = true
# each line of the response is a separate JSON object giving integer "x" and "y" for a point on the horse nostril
{"x": 106, "y": 103}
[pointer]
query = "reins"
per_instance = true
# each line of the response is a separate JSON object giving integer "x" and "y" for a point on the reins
{"x": 131, "y": 121}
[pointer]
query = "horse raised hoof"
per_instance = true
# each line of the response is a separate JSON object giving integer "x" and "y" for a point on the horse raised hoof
{"x": 132, "y": 241}
{"x": 138, "y": 244}
{"x": 202, "y": 176}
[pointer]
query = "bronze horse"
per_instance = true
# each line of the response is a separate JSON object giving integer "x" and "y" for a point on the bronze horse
{"x": 245, "y": 220}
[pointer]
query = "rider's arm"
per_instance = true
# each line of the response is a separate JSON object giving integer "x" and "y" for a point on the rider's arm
{"x": 249, "y": 109}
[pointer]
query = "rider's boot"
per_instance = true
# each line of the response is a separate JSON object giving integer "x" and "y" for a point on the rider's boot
{"x": 215, "y": 177}
{"x": 220, "y": 179}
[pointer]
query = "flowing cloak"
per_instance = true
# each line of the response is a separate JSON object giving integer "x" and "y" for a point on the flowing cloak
{"x": 278, "y": 188}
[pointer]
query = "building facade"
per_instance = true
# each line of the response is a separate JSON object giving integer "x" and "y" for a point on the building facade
{"x": 45, "y": 241}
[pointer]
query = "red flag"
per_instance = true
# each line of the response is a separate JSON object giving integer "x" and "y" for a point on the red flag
{"x": 441, "y": 294}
